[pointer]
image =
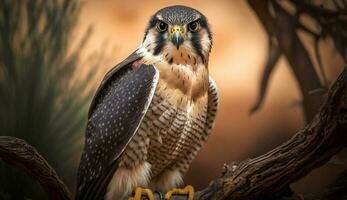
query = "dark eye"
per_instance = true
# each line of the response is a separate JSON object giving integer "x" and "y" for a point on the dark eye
{"x": 161, "y": 26}
{"x": 194, "y": 26}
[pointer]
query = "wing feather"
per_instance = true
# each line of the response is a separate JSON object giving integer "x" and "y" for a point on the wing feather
{"x": 115, "y": 114}
{"x": 129, "y": 60}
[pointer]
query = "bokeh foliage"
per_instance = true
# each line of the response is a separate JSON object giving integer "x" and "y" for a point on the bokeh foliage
{"x": 43, "y": 98}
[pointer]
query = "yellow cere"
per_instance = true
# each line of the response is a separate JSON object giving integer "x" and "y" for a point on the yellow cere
{"x": 178, "y": 28}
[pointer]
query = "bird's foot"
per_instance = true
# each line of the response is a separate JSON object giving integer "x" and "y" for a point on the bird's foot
{"x": 139, "y": 192}
{"x": 188, "y": 190}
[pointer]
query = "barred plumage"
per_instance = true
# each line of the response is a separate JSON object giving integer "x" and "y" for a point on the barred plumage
{"x": 151, "y": 113}
{"x": 180, "y": 132}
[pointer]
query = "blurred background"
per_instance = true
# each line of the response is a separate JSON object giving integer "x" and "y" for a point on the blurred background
{"x": 53, "y": 54}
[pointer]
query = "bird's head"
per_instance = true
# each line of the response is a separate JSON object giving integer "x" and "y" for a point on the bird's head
{"x": 179, "y": 34}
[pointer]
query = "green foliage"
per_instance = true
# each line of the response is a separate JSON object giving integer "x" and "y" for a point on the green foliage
{"x": 43, "y": 99}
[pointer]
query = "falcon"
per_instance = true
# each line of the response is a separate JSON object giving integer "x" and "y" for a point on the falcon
{"x": 152, "y": 113}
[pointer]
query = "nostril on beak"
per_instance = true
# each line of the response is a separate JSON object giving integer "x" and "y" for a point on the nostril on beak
{"x": 177, "y": 36}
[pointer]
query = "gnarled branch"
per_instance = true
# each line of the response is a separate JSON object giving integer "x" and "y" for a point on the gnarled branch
{"x": 261, "y": 177}
{"x": 264, "y": 176}
{"x": 271, "y": 173}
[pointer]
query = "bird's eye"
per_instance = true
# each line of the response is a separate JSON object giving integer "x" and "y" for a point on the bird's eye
{"x": 161, "y": 26}
{"x": 194, "y": 26}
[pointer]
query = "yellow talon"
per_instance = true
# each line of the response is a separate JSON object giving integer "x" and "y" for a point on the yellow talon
{"x": 139, "y": 191}
{"x": 188, "y": 190}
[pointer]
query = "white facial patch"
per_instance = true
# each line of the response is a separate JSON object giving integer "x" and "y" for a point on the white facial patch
{"x": 205, "y": 42}
{"x": 149, "y": 41}
{"x": 163, "y": 50}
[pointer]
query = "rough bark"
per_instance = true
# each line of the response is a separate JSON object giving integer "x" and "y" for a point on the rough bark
{"x": 264, "y": 176}
{"x": 23, "y": 156}
{"x": 269, "y": 174}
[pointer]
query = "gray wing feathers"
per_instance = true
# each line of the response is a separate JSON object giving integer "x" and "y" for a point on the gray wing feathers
{"x": 130, "y": 59}
{"x": 114, "y": 118}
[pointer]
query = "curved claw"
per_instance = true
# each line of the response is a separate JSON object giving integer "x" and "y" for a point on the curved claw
{"x": 139, "y": 192}
{"x": 188, "y": 190}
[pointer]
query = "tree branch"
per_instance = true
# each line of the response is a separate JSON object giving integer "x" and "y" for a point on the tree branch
{"x": 332, "y": 23}
{"x": 264, "y": 176}
{"x": 273, "y": 56}
{"x": 282, "y": 28}
{"x": 269, "y": 174}
{"x": 257, "y": 178}
{"x": 23, "y": 156}
{"x": 299, "y": 60}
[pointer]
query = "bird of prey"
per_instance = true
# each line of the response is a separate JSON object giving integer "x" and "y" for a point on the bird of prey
{"x": 151, "y": 113}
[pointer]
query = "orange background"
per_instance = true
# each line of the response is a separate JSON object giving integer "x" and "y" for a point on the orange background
{"x": 236, "y": 62}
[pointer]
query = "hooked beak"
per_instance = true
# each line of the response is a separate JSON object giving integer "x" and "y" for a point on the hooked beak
{"x": 177, "y": 36}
